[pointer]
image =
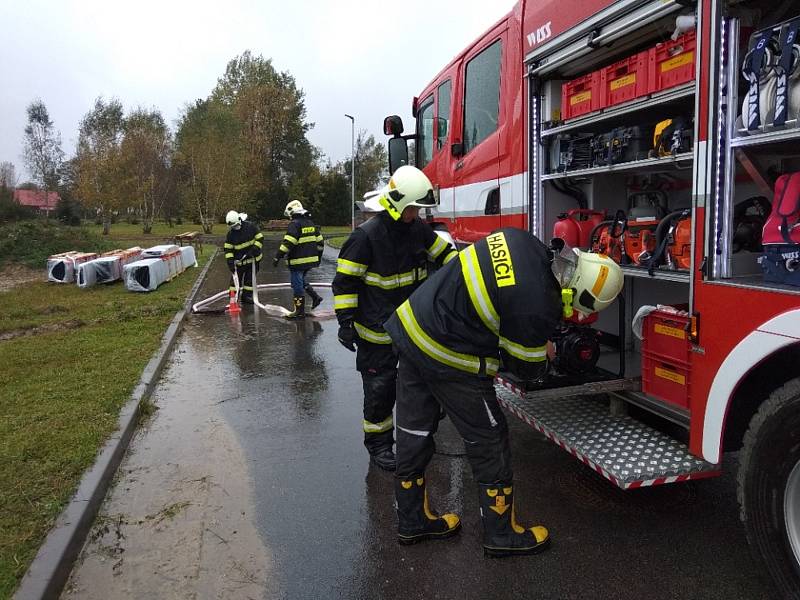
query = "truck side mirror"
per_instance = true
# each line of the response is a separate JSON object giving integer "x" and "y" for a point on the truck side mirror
{"x": 393, "y": 125}
{"x": 457, "y": 149}
{"x": 398, "y": 153}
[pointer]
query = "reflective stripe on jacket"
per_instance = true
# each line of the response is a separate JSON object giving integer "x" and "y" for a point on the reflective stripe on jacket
{"x": 499, "y": 300}
{"x": 302, "y": 245}
{"x": 379, "y": 266}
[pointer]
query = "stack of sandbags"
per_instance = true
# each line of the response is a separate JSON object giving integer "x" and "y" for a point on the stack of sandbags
{"x": 107, "y": 268}
{"x": 61, "y": 268}
{"x": 157, "y": 265}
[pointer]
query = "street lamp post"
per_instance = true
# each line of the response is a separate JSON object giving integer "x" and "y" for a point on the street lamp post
{"x": 352, "y": 171}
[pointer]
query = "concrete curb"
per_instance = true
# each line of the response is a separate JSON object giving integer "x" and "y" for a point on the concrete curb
{"x": 52, "y": 565}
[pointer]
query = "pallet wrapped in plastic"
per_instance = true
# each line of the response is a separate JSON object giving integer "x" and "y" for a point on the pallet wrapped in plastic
{"x": 107, "y": 268}
{"x": 145, "y": 275}
{"x": 157, "y": 265}
{"x": 61, "y": 268}
{"x": 160, "y": 250}
{"x": 189, "y": 257}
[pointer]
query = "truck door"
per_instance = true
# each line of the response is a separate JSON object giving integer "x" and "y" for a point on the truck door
{"x": 476, "y": 171}
{"x": 433, "y": 147}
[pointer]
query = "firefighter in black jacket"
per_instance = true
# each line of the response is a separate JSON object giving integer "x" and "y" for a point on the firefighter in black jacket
{"x": 380, "y": 264}
{"x": 500, "y": 301}
{"x": 302, "y": 245}
{"x": 242, "y": 249}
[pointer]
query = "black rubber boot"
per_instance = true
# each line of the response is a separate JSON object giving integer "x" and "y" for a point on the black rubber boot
{"x": 316, "y": 299}
{"x": 416, "y": 523}
{"x": 502, "y": 536}
{"x": 384, "y": 459}
{"x": 299, "y": 311}
{"x": 379, "y": 446}
{"x": 246, "y": 297}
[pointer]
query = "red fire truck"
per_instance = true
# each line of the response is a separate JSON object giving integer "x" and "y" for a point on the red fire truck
{"x": 664, "y": 133}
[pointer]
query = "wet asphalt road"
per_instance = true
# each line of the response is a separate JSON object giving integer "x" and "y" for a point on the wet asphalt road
{"x": 295, "y": 403}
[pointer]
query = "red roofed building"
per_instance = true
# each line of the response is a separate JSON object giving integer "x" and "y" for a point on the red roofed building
{"x": 41, "y": 201}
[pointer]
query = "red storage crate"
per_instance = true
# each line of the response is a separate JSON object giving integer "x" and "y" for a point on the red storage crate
{"x": 580, "y": 96}
{"x": 666, "y": 380}
{"x": 665, "y": 334}
{"x": 625, "y": 80}
{"x": 672, "y": 63}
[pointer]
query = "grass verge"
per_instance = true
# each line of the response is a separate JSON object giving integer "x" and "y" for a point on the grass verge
{"x": 71, "y": 359}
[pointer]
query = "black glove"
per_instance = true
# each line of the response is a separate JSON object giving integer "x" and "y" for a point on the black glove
{"x": 347, "y": 336}
{"x": 275, "y": 261}
{"x": 232, "y": 267}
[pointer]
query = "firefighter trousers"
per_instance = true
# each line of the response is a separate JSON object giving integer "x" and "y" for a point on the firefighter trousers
{"x": 471, "y": 403}
{"x": 378, "y": 366}
{"x": 245, "y": 273}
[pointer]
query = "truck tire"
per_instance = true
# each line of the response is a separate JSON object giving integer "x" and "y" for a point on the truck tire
{"x": 769, "y": 487}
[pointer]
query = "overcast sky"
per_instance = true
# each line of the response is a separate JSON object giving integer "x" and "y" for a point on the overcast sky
{"x": 358, "y": 57}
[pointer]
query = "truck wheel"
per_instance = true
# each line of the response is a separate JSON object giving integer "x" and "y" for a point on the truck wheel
{"x": 769, "y": 487}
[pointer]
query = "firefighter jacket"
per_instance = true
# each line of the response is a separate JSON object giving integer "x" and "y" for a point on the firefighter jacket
{"x": 302, "y": 244}
{"x": 243, "y": 246}
{"x": 380, "y": 265}
{"x": 499, "y": 300}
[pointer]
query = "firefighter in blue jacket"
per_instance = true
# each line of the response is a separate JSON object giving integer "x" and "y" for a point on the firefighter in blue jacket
{"x": 501, "y": 301}
{"x": 382, "y": 262}
{"x": 302, "y": 245}
{"x": 242, "y": 249}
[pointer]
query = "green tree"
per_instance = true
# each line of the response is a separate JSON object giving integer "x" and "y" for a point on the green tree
{"x": 99, "y": 159}
{"x": 371, "y": 164}
{"x": 272, "y": 113}
{"x": 42, "y": 151}
{"x": 146, "y": 154}
{"x": 68, "y": 210}
{"x": 329, "y": 199}
{"x": 209, "y": 160}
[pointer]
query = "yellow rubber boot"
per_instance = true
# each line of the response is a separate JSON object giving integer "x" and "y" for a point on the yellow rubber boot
{"x": 299, "y": 311}
{"x": 502, "y": 535}
{"x": 416, "y": 523}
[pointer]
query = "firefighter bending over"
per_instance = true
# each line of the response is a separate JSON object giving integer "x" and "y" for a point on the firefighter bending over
{"x": 382, "y": 262}
{"x": 242, "y": 249}
{"x": 302, "y": 245}
{"x": 500, "y": 301}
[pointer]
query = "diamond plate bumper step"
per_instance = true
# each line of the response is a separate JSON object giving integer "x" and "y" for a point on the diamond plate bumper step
{"x": 625, "y": 451}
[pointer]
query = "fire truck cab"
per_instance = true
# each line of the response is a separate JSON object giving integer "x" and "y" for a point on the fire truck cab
{"x": 665, "y": 134}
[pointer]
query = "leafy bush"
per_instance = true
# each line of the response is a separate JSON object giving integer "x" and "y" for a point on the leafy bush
{"x": 10, "y": 210}
{"x": 31, "y": 242}
{"x": 68, "y": 211}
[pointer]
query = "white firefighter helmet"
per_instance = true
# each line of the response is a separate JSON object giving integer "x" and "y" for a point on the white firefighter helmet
{"x": 408, "y": 186}
{"x": 234, "y": 218}
{"x": 592, "y": 280}
{"x": 295, "y": 206}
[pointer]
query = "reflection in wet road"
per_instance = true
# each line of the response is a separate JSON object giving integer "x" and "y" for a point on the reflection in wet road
{"x": 294, "y": 400}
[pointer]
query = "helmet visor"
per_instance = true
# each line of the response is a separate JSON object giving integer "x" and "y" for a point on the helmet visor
{"x": 565, "y": 262}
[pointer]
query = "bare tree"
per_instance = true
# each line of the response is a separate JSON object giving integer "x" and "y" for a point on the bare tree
{"x": 8, "y": 175}
{"x": 43, "y": 154}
